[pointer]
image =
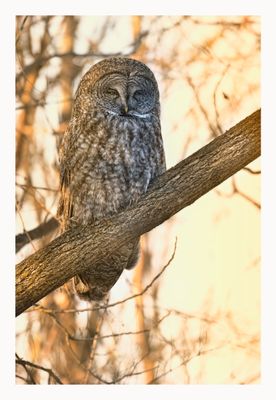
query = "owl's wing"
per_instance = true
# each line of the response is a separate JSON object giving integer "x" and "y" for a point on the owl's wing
{"x": 162, "y": 165}
{"x": 159, "y": 159}
{"x": 65, "y": 206}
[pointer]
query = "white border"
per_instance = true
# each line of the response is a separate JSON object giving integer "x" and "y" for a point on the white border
{"x": 127, "y": 7}
{"x": 268, "y": 202}
{"x": 119, "y": 7}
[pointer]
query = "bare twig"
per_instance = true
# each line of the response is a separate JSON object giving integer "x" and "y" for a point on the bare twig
{"x": 251, "y": 171}
{"x": 236, "y": 190}
{"x": 21, "y": 27}
{"x": 25, "y": 363}
{"x": 219, "y": 128}
{"x": 28, "y": 236}
{"x": 94, "y": 345}
{"x": 42, "y": 60}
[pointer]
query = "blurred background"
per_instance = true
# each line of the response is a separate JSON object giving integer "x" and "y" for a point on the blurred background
{"x": 199, "y": 321}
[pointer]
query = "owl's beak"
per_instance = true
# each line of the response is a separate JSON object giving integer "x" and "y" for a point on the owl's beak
{"x": 124, "y": 106}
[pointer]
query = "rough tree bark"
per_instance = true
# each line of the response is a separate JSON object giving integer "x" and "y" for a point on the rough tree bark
{"x": 180, "y": 186}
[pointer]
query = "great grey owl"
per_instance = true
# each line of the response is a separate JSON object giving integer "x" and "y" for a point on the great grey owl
{"x": 110, "y": 153}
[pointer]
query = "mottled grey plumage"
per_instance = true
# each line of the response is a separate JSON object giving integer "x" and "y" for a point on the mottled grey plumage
{"x": 110, "y": 153}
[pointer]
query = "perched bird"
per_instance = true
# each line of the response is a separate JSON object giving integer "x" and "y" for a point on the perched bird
{"x": 110, "y": 153}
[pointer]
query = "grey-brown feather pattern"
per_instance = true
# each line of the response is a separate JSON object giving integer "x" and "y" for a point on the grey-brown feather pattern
{"x": 110, "y": 153}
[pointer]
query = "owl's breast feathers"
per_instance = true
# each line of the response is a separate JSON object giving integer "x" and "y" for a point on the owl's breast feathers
{"x": 111, "y": 166}
{"x": 131, "y": 154}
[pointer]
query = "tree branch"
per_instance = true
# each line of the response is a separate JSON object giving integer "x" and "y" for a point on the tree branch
{"x": 25, "y": 363}
{"x": 180, "y": 186}
{"x": 43, "y": 229}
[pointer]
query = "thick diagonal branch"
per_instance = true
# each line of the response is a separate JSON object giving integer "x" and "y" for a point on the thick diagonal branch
{"x": 180, "y": 186}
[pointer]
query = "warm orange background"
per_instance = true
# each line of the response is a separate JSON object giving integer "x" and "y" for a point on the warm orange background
{"x": 208, "y": 69}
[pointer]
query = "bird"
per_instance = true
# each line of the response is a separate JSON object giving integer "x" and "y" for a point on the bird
{"x": 110, "y": 153}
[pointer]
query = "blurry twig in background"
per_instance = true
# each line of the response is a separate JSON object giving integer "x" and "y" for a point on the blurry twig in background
{"x": 26, "y": 364}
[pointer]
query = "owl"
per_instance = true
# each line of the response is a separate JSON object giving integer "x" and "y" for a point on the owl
{"x": 110, "y": 153}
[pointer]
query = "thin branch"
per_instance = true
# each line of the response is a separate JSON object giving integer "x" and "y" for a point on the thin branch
{"x": 212, "y": 128}
{"x": 32, "y": 187}
{"x": 21, "y": 27}
{"x": 133, "y": 374}
{"x": 25, "y": 363}
{"x": 21, "y": 377}
{"x": 247, "y": 169}
{"x": 236, "y": 190}
{"x": 42, "y": 60}
{"x": 185, "y": 361}
{"x": 219, "y": 128}
{"x": 248, "y": 198}
{"x": 94, "y": 346}
{"x": 28, "y": 236}
{"x": 224, "y": 23}
{"x": 28, "y": 372}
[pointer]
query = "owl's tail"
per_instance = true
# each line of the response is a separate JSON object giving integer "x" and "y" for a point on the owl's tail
{"x": 134, "y": 255}
{"x": 95, "y": 283}
{"x": 87, "y": 290}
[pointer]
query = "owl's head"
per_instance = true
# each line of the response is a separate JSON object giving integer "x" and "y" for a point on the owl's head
{"x": 122, "y": 87}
